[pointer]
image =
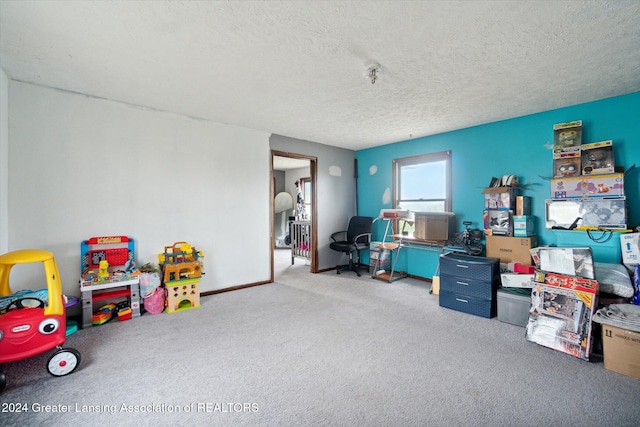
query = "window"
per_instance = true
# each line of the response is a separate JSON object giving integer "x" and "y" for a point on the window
{"x": 422, "y": 183}
{"x": 306, "y": 193}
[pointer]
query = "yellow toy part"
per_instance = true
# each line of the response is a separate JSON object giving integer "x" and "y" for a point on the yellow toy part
{"x": 28, "y": 256}
{"x": 103, "y": 270}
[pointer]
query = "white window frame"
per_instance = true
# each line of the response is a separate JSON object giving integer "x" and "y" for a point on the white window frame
{"x": 422, "y": 159}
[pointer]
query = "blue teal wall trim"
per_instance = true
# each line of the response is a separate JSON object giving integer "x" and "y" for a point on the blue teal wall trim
{"x": 520, "y": 146}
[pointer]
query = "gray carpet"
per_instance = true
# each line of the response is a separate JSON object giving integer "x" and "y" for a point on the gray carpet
{"x": 321, "y": 350}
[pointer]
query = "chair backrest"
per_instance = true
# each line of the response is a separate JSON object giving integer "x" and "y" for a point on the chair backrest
{"x": 358, "y": 225}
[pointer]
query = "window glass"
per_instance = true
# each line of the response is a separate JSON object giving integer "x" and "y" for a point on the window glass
{"x": 307, "y": 194}
{"x": 422, "y": 184}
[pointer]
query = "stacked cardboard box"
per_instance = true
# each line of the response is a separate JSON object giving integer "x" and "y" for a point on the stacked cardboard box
{"x": 563, "y": 300}
{"x": 508, "y": 224}
{"x": 586, "y": 190}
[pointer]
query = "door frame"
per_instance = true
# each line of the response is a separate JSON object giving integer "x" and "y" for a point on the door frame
{"x": 313, "y": 172}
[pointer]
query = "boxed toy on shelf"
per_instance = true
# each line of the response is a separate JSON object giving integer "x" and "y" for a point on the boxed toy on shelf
{"x": 567, "y": 164}
{"x": 501, "y": 198}
{"x": 597, "y": 158}
{"x": 498, "y": 222}
{"x": 567, "y": 136}
{"x": 598, "y": 213}
{"x": 610, "y": 185}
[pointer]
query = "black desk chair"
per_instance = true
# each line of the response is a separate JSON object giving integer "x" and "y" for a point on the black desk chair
{"x": 354, "y": 239}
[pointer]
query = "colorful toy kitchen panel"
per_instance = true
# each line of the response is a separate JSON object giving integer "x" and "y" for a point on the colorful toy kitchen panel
{"x": 610, "y": 185}
{"x": 116, "y": 250}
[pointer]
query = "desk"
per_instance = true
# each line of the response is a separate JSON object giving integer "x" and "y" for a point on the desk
{"x": 400, "y": 241}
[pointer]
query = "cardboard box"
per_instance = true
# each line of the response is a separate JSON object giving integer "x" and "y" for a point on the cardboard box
{"x": 438, "y": 226}
{"x": 560, "y": 315}
{"x": 524, "y": 225}
{"x": 630, "y": 245}
{"x": 435, "y": 285}
{"x": 563, "y": 281}
{"x": 502, "y": 198}
{"x": 621, "y": 349}
{"x": 567, "y": 136}
{"x": 610, "y": 185}
{"x": 597, "y": 158}
{"x": 523, "y": 205}
{"x": 601, "y": 213}
{"x": 498, "y": 222}
{"x": 510, "y": 249}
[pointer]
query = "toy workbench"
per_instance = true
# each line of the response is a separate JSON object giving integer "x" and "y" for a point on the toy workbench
{"x": 107, "y": 272}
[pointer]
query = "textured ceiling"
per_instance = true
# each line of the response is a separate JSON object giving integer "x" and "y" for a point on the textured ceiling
{"x": 296, "y": 68}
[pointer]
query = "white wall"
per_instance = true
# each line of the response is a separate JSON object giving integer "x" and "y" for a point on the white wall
{"x": 4, "y": 161}
{"x": 83, "y": 167}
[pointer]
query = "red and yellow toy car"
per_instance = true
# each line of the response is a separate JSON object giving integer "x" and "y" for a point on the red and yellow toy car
{"x": 29, "y": 326}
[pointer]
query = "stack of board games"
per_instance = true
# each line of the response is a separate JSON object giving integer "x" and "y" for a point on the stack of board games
{"x": 563, "y": 300}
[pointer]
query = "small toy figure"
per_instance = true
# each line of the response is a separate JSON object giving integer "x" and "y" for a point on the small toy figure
{"x": 597, "y": 159}
{"x": 568, "y": 138}
{"x": 103, "y": 271}
{"x": 567, "y": 169}
{"x": 130, "y": 266}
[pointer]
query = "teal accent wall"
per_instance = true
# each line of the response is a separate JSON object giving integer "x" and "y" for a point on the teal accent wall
{"x": 520, "y": 146}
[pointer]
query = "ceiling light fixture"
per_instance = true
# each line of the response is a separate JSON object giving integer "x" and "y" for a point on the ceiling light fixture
{"x": 372, "y": 72}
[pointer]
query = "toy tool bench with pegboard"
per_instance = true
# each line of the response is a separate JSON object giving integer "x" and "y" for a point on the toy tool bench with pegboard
{"x": 107, "y": 271}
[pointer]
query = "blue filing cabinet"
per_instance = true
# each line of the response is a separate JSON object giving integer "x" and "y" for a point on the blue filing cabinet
{"x": 469, "y": 284}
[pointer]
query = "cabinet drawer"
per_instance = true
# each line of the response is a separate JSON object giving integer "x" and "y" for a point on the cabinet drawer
{"x": 468, "y": 287}
{"x": 473, "y": 267}
{"x": 466, "y": 304}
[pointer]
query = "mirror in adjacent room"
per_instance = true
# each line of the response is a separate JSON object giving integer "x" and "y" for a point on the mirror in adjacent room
{"x": 283, "y": 209}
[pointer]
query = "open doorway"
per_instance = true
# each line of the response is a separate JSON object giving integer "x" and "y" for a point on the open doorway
{"x": 287, "y": 169}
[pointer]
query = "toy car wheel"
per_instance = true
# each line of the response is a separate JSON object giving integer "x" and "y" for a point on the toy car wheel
{"x": 3, "y": 380}
{"x": 63, "y": 362}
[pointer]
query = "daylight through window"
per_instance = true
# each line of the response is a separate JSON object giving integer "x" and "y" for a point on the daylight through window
{"x": 423, "y": 183}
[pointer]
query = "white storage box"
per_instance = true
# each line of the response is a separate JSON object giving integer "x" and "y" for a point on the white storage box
{"x": 516, "y": 280}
